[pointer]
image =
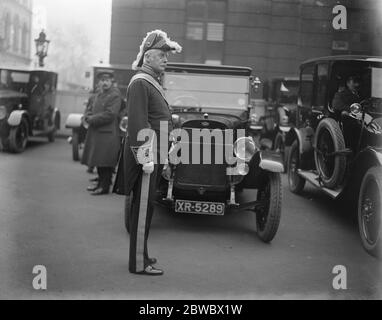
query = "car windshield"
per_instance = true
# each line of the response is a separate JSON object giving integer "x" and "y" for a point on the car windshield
{"x": 196, "y": 91}
{"x": 14, "y": 80}
{"x": 288, "y": 91}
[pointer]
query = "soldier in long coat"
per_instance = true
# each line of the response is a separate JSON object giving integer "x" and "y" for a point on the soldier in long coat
{"x": 102, "y": 142}
{"x": 147, "y": 108}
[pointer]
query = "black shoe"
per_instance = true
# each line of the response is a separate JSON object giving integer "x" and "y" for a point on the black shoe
{"x": 92, "y": 188}
{"x": 151, "y": 261}
{"x": 151, "y": 271}
{"x": 100, "y": 191}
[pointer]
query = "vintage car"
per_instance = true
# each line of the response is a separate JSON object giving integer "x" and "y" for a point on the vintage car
{"x": 341, "y": 152}
{"x": 215, "y": 101}
{"x": 122, "y": 76}
{"x": 27, "y": 107}
{"x": 281, "y": 96}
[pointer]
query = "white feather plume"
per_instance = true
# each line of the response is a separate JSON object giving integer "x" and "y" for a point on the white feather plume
{"x": 176, "y": 48}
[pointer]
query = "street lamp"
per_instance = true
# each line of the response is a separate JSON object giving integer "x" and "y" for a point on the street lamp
{"x": 42, "y": 46}
{"x": 256, "y": 82}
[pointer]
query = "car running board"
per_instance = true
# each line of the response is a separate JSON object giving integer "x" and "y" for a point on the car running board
{"x": 313, "y": 178}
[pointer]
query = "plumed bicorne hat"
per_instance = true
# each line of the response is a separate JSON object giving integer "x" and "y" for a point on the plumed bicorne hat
{"x": 156, "y": 39}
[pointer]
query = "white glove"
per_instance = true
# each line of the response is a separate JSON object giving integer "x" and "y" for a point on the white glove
{"x": 148, "y": 167}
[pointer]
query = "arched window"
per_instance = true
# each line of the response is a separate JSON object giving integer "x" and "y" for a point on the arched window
{"x": 16, "y": 34}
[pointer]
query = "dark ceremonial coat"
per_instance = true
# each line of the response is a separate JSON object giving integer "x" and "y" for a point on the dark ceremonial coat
{"x": 146, "y": 108}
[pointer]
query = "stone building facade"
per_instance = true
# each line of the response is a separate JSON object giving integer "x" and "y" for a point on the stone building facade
{"x": 15, "y": 32}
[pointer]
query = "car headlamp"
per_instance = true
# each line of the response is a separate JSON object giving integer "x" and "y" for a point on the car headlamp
{"x": 175, "y": 119}
{"x": 3, "y": 112}
{"x": 243, "y": 169}
{"x": 245, "y": 148}
{"x": 254, "y": 118}
{"x": 355, "y": 108}
{"x": 123, "y": 124}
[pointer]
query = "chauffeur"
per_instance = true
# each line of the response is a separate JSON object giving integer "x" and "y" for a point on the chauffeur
{"x": 147, "y": 107}
{"x": 102, "y": 142}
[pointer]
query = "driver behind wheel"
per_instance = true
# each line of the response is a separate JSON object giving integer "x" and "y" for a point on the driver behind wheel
{"x": 342, "y": 101}
{"x": 347, "y": 95}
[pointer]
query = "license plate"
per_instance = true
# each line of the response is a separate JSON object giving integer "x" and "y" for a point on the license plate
{"x": 198, "y": 207}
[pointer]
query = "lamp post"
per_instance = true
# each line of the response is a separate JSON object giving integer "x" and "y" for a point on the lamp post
{"x": 256, "y": 82}
{"x": 42, "y": 46}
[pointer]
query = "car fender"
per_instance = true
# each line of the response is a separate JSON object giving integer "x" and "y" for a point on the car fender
{"x": 262, "y": 163}
{"x": 365, "y": 159}
{"x": 15, "y": 117}
{"x": 56, "y": 115}
{"x": 368, "y": 157}
{"x": 284, "y": 129}
{"x": 74, "y": 121}
{"x": 304, "y": 137}
{"x": 271, "y": 161}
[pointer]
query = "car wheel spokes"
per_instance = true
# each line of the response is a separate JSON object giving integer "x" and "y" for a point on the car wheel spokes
{"x": 370, "y": 206}
{"x": 325, "y": 153}
{"x": 293, "y": 166}
{"x": 262, "y": 213}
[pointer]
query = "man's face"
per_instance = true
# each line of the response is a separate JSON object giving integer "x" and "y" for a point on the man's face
{"x": 353, "y": 84}
{"x": 158, "y": 60}
{"x": 105, "y": 83}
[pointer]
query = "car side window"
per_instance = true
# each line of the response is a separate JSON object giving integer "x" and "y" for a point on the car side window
{"x": 306, "y": 86}
{"x": 321, "y": 86}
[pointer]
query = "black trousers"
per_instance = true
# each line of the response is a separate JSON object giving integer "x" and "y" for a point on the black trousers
{"x": 105, "y": 175}
{"x": 144, "y": 195}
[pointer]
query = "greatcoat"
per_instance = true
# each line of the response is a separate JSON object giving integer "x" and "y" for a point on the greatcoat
{"x": 102, "y": 144}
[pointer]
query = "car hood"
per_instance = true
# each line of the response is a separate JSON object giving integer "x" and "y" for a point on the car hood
{"x": 229, "y": 119}
{"x": 7, "y": 94}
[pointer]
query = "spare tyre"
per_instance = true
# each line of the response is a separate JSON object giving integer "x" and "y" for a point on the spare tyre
{"x": 330, "y": 165}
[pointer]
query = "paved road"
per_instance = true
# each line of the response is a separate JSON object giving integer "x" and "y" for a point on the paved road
{"x": 47, "y": 218}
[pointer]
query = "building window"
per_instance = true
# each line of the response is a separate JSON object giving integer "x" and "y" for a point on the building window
{"x": 24, "y": 39}
{"x": 205, "y": 31}
{"x": 16, "y": 34}
{"x": 195, "y": 30}
{"x": 215, "y": 31}
{"x": 7, "y": 31}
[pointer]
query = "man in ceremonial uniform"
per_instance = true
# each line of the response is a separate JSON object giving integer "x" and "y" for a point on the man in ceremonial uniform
{"x": 147, "y": 108}
{"x": 102, "y": 142}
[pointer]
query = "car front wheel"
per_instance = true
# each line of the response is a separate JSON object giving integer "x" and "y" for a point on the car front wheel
{"x": 279, "y": 147}
{"x": 296, "y": 183}
{"x": 328, "y": 141}
{"x": 369, "y": 211}
{"x": 268, "y": 214}
{"x": 18, "y": 137}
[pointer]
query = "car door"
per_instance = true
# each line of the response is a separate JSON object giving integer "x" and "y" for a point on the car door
{"x": 305, "y": 100}
{"x": 320, "y": 93}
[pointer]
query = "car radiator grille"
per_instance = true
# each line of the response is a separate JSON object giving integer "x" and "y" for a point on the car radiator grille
{"x": 209, "y": 171}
